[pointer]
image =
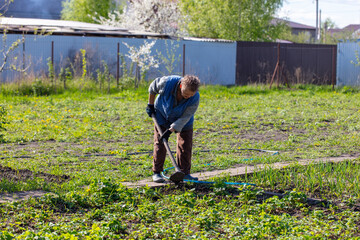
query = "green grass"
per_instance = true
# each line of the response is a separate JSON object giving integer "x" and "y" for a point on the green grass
{"x": 96, "y": 138}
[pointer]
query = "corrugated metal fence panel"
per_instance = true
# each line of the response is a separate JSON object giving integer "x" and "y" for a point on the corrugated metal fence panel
{"x": 67, "y": 49}
{"x": 255, "y": 62}
{"x": 213, "y": 62}
{"x": 348, "y": 74}
{"x": 300, "y": 63}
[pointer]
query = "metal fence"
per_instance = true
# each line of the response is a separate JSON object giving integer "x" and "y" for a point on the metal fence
{"x": 348, "y": 71}
{"x": 217, "y": 63}
{"x": 285, "y": 63}
{"x": 213, "y": 62}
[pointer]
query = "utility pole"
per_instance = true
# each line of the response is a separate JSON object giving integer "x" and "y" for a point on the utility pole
{"x": 317, "y": 21}
{"x": 325, "y": 31}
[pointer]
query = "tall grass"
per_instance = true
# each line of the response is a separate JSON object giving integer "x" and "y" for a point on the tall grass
{"x": 44, "y": 86}
{"x": 106, "y": 83}
{"x": 323, "y": 180}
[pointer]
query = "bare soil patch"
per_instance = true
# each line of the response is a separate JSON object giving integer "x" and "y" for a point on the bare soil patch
{"x": 18, "y": 196}
{"x": 54, "y": 148}
{"x": 25, "y": 174}
{"x": 16, "y": 175}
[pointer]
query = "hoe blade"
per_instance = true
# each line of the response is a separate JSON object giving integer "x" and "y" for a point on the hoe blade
{"x": 177, "y": 177}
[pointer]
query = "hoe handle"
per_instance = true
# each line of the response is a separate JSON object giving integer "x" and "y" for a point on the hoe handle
{"x": 177, "y": 169}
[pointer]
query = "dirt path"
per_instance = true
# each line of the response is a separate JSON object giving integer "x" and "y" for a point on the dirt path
{"x": 238, "y": 171}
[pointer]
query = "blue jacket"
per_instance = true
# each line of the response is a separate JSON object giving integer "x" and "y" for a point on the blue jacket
{"x": 169, "y": 112}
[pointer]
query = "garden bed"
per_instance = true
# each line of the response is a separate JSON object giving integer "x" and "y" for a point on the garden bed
{"x": 61, "y": 143}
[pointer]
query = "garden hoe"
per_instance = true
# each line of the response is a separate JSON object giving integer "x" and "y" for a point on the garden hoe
{"x": 178, "y": 176}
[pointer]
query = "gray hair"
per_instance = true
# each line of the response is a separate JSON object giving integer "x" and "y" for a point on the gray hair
{"x": 191, "y": 82}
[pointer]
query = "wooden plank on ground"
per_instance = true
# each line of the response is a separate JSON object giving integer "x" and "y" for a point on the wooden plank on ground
{"x": 239, "y": 171}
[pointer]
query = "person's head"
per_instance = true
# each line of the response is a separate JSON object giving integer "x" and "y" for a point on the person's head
{"x": 189, "y": 86}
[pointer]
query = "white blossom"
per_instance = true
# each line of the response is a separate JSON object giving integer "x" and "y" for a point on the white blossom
{"x": 142, "y": 56}
{"x": 156, "y": 16}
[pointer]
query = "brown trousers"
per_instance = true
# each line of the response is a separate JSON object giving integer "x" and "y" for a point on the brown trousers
{"x": 183, "y": 151}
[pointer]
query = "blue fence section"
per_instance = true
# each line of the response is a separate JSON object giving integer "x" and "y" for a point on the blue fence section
{"x": 348, "y": 72}
{"x": 213, "y": 62}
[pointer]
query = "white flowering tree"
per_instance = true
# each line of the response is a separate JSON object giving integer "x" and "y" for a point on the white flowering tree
{"x": 156, "y": 16}
{"x": 5, "y": 53}
{"x": 7, "y": 61}
{"x": 143, "y": 59}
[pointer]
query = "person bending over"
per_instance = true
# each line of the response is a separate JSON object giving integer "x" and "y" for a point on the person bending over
{"x": 174, "y": 107}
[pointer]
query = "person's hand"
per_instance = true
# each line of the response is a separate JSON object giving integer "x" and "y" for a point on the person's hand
{"x": 150, "y": 109}
{"x": 165, "y": 135}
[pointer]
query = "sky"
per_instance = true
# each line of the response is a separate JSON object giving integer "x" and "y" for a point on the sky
{"x": 341, "y": 12}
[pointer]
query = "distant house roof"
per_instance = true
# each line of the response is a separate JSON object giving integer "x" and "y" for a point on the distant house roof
{"x": 300, "y": 26}
{"x": 353, "y": 29}
{"x": 334, "y": 30}
{"x": 293, "y": 25}
{"x": 60, "y": 27}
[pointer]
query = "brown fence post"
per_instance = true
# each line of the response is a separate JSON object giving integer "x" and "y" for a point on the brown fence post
{"x": 276, "y": 70}
{"x": 52, "y": 53}
{"x": 118, "y": 65}
{"x": 52, "y": 63}
{"x": 279, "y": 68}
{"x": 183, "y": 60}
{"x": 333, "y": 67}
{"x": 23, "y": 45}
